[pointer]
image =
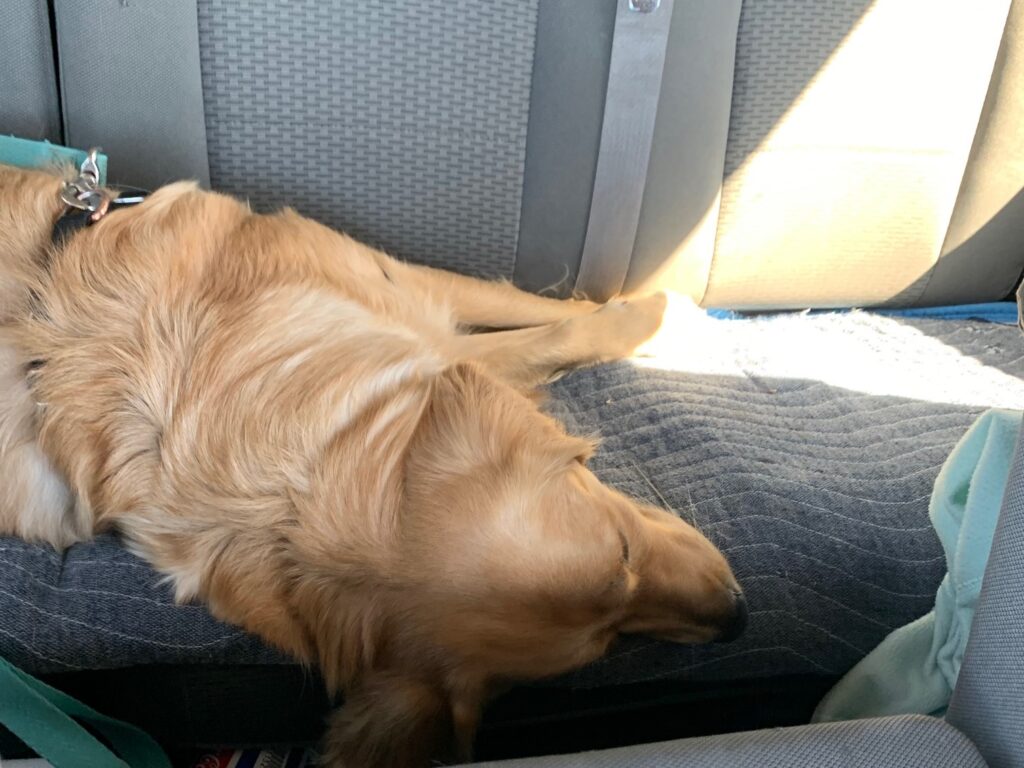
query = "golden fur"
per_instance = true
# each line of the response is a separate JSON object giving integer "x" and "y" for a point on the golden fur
{"x": 303, "y": 433}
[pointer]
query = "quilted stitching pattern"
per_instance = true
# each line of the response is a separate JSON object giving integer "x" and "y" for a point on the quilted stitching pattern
{"x": 98, "y": 606}
{"x": 817, "y": 490}
{"x": 403, "y": 123}
{"x": 818, "y": 493}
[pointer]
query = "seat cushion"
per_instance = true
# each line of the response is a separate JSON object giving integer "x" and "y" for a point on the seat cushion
{"x": 97, "y": 606}
{"x": 804, "y": 446}
{"x": 909, "y": 741}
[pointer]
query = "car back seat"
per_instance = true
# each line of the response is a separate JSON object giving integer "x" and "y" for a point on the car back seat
{"x": 783, "y": 169}
{"x": 767, "y": 153}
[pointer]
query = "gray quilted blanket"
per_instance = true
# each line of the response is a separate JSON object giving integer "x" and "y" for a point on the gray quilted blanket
{"x": 805, "y": 446}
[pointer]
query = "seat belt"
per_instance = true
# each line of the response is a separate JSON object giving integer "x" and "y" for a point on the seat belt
{"x": 130, "y": 83}
{"x": 631, "y": 106}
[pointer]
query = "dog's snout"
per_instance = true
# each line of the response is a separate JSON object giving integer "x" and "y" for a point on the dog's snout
{"x": 737, "y": 621}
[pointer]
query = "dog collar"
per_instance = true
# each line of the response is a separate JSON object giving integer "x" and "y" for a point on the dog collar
{"x": 86, "y": 202}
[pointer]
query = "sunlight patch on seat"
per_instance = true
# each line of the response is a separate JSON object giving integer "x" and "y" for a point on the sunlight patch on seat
{"x": 857, "y": 351}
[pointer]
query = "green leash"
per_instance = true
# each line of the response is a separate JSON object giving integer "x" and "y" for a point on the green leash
{"x": 41, "y": 717}
{"x": 24, "y": 153}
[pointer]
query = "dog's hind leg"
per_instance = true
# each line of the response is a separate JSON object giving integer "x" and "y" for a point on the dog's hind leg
{"x": 35, "y": 502}
{"x": 529, "y": 357}
{"x": 489, "y": 303}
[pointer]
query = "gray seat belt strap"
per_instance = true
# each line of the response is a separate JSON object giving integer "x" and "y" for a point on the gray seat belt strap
{"x": 631, "y": 106}
{"x": 131, "y": 83}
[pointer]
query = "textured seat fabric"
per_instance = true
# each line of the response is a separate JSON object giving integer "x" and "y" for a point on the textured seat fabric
{"x": 421, "y": 127}
{"x": 97, "y": 606}
{"x": 402, "y": 122}
{"x": 805, "y": 446}
{"x": 29, "y": 106}
{"x": 899, "y": 742}
{"x": 850, "y": 138}
{"x": 469, "y": 135}
{"x": 986, "y": 702}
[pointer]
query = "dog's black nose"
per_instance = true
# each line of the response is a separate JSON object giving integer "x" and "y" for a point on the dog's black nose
{"x": 734, "y": 627}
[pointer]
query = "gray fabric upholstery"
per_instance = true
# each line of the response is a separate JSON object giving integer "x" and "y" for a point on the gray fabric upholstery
{"x": 467, "y": 135}
{"x": 570, "y": 73}
{"x": 987, "y": 702}
{"x": 401, "y": 122}
{"x": 806, "y": 447}
{"x": 98, "y": 607}
{"x": 29, "y": 103}
{"x": 630, "y": 111}
{"x": 129, "y": 74}
{"x": 898, "y": 742}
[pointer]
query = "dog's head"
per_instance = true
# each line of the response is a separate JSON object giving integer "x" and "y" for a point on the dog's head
{"x": 512, "y": 561}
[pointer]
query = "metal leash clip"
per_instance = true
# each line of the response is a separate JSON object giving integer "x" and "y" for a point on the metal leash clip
{"x": 84, "y": 191}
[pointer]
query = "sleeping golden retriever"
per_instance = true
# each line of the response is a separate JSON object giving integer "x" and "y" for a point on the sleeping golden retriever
{"x": 306, "y": 435}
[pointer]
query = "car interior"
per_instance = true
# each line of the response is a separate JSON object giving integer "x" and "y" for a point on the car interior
{"x": 831, "y": 192}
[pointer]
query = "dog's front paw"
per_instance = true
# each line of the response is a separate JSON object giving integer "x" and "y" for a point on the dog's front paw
{"x": 682, "y": 326}
{"x": 625, "y": 324}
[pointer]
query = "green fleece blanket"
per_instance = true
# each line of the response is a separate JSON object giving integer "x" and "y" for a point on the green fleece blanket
{"x": 915, "y": 668}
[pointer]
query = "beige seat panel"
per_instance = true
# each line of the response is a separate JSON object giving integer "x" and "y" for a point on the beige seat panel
{"x": 983, "y": 253}
{"x": 848, "y": 199}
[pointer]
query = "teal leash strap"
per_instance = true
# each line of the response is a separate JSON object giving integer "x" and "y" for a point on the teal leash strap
{"x": 41, "y": 717}
{"x": 42, "y": 155}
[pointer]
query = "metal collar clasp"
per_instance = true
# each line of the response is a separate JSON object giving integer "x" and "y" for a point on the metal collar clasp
{"x": 84, "y": 191}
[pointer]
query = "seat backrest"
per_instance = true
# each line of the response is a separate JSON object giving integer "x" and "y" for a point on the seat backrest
{"x": 29, "y": 104}
{"x": 130, "y": 83}
{"x": 750, "y": 153}
{"x": 870, "y": 147}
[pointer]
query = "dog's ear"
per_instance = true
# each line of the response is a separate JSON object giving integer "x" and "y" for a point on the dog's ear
{"x": 560, "y": 451}
{"x": 462, "y": 393}
{"x": 390, "y": 721}
{"x": 366, "y": 473}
